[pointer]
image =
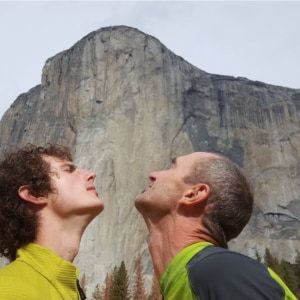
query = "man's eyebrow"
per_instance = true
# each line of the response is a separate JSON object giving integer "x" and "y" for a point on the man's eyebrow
{"x": 68, "y": 164}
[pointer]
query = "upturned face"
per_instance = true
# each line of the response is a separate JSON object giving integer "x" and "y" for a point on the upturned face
{"x": 166, "y": 187}
{"x": 74, "y": 191}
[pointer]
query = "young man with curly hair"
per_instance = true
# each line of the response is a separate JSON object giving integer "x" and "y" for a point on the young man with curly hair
{"x": 46, "y": 203}
{"x": 192, "y": 210}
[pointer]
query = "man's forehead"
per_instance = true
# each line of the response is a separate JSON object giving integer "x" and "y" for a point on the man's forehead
{"x": 52, "y": 160}
{"x": 197, "y": 156}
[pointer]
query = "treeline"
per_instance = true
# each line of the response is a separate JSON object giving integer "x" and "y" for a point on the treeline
{"x": 289, "y": 273}
{"x": 117, "y": 283}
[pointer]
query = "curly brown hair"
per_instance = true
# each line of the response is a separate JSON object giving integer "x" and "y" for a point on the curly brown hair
{"x": 230, "y": 204}
{"x": 18, "y": 218}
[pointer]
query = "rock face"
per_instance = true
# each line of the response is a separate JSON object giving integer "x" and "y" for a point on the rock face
{"x": 126, "y": 105}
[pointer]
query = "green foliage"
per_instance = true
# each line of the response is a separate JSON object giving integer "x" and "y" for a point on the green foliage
{"x": 272, "y": 262}
{"x": 297, "y": 273}
{"x": 289, "y": 273}
{"x": 297, "y": 268}
{"x": 116, "y": 286}
{"x": 97, "y": 293}
{"x": 120, "y": 283}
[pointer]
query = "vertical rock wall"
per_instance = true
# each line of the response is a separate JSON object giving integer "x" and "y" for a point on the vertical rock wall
{"x": 127, "y": 105}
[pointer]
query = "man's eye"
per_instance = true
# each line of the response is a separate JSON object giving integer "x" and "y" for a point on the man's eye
{"x": 173, "y": 163}
{"x": 71, "y": 169}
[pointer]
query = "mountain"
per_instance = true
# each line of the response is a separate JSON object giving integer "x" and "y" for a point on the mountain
{"x": 127, "y": 105}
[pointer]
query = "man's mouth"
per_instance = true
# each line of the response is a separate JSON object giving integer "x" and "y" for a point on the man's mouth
{"x": 93, "y": 189}
{"x": 147, "y": 188}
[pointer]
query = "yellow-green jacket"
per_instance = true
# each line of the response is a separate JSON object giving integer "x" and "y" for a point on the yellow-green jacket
{"x": 202, "y": 271}
{"x": 38, "y": 274}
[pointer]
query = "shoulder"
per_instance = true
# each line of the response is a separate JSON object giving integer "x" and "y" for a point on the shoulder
{"x": 223, "y": 272}
{"x": 16, "y": 281}
{"x": 16, "y": 269}
{"x": 221, "y": 262}
{"x": 217, "y": 262}
{"x": 218, "y": 258}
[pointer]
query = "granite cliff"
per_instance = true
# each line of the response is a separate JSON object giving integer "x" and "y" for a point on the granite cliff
{"x": 126, "y": 105}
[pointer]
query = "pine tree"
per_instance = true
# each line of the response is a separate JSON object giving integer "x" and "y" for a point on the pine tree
{"x": 285, "y": 271}
{"x": 120, "y": 284}
{"x": 155, "y": 291}
{"x": 297, "y": 265}
{"x": 297, "y": 273}
{"x": 113, "y": 287}
{"x": 139, "y": 292}
{"x": 272, "y": 262}
{"x": 106, "y": 290}
{"x": 97, "y": 295}
{"x": 258, "y": 257}
{"x": 288, "y": 275}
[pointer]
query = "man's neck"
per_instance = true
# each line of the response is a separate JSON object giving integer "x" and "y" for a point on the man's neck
{"x": 169, "y": 237}
{"x": 162, "y": 252}
{"x": 63, "y": 240}
{"x": 166, "y": 241}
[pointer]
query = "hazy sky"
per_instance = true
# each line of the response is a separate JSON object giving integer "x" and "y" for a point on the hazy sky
{"x": 258, "y": 40}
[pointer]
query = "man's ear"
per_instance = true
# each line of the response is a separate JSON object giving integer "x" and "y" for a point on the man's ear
{"x": 25, "y": 194}
{"x": 195, "y": 194}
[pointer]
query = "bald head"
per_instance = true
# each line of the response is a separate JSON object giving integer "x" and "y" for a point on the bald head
{"x": 229, "y": 206}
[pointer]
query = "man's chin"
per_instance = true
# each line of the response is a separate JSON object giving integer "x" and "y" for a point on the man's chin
{"x": 138, "y": 203}
{"x": 98, "y": 208}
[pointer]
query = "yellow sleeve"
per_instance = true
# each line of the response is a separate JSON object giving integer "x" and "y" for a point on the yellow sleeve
{"x": 288, "y": 293}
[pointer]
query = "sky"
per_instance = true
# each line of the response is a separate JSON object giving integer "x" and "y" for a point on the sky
{"x": 258, "y": 40}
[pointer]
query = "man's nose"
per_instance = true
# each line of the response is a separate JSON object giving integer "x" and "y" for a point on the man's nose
{"x": 88, "y": 175}
{"x": 152, "y": 176}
